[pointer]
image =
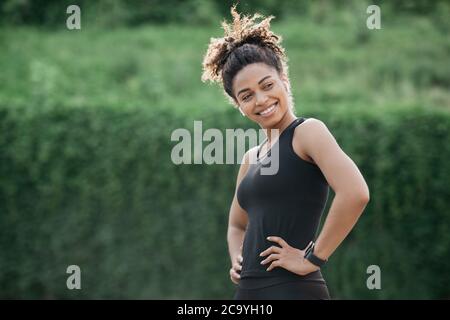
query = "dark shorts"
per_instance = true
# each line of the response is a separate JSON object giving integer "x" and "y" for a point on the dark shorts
{"x": 293, "y": 290}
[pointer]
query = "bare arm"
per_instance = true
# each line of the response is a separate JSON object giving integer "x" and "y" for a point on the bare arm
{"x": 344, "y": 177}
{"x": 237, "y": 225}
{"x": 238, "y": 219}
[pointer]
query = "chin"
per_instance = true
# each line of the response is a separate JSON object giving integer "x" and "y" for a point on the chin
{"x": 272, "y": 121}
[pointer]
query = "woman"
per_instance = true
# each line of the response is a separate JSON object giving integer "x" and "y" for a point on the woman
{"x": 274, "y": 218}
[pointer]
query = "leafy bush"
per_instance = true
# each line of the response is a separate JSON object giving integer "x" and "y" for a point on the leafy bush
{"x": 96, "y": 187}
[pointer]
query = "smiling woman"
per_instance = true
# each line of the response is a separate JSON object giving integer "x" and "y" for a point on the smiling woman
{"x": 274, "y": 219}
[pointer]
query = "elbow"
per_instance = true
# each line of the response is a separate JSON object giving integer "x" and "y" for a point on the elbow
{"x": 358, "y": 198}
{"x": 360, "y": 201}
{"x": 364, "y": 197}
{"x": 363, "y": 201}
{"x": 366, "y": 194}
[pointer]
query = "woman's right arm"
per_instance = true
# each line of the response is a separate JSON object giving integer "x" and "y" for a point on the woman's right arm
{"x": 237, "y": 224}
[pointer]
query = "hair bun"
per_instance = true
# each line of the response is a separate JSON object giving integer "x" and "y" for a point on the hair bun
{"x": 243, "y": 29}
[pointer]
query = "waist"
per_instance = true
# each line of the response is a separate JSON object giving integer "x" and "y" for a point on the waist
{"x": 255, "y": 279}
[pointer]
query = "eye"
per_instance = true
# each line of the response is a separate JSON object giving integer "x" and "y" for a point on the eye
{"x": 268, "y": 86}
{"x": 246, "y": 97}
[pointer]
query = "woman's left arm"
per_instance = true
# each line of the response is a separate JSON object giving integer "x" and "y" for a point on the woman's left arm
{"x": 351, "y": 197}
{"x": 344, "y": 177}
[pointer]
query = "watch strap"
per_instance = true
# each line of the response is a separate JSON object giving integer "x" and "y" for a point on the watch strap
{"x": 309, "y": 254}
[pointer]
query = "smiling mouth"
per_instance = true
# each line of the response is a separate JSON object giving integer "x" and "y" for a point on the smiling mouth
{"x": 268, "y": 111}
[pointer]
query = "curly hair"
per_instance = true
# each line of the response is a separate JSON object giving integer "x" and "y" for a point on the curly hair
{"x": 245, "y": 41}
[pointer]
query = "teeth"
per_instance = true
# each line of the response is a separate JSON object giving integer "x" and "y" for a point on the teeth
{"x": 268, "y": 109}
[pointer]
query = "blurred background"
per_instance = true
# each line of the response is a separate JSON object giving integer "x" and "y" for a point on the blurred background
{"x": 86, "y": 117}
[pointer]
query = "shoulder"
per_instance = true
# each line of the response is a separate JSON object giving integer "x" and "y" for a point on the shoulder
{"x": 311, "y": 128}
{"x": 309, "y": 134}
{"x": 312, "y": 124}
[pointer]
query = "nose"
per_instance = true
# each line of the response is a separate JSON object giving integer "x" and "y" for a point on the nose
{"x": 260, "y": 98}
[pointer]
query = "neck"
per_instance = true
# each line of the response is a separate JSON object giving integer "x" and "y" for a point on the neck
{"x": 287, "y": 119}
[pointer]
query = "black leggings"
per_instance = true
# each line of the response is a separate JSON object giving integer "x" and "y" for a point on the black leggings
{"x": 295, "y": 290}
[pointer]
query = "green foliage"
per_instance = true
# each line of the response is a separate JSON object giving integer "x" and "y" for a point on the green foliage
{"x": 85, "y": 170}
{"x": 336, "y": 62}
{"x": 402, "y": 154}
{"x": 96, "y": 187}
{"x": 114, "y": 13}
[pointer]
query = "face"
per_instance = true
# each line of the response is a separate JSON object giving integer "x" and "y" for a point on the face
{"x": 262, "y": 94}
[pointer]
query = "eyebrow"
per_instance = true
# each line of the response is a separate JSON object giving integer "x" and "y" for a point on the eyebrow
{"x": 259, "y": 82}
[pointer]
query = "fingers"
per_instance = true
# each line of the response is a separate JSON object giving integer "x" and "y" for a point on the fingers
{"x": 271, "y": 258}
{"x": 272, "y": 249}
{"x": 278, "y": 240}
{"x": 234, "y": 276}
{"x": 274, "y": 264}
{"x": 237, "y": 267}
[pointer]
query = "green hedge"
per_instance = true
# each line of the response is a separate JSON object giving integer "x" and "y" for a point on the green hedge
{"x": 112, "y": 13}
{"x": 96, "y": 187}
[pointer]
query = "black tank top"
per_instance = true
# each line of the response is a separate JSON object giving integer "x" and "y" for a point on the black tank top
{"x": 287, "y": 204}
